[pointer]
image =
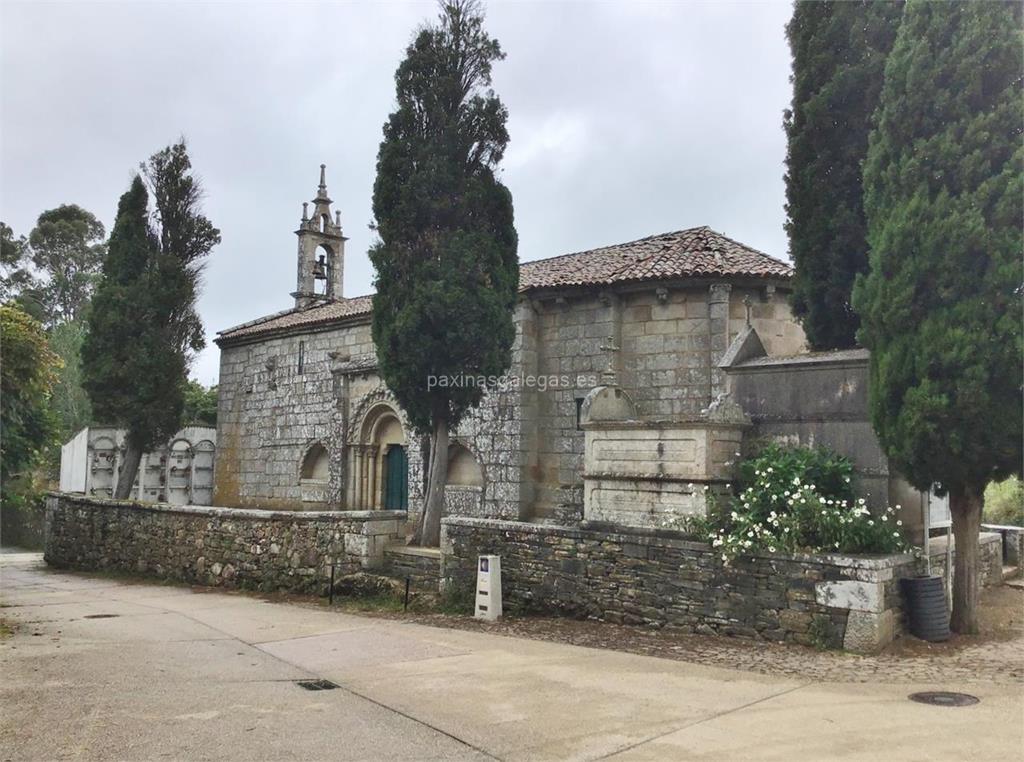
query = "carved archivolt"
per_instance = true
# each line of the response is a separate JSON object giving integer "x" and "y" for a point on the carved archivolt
{"x": 369, "y": 411}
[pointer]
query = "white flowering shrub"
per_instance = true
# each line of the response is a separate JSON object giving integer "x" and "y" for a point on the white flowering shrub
{"x": 798, "y": 499}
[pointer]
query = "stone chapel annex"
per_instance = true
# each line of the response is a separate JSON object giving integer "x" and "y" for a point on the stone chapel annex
{"x": 305, "y": 422}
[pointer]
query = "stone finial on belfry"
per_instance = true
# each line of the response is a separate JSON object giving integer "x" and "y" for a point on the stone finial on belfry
{"x": 747, "y": 303}
{"x": 323, "y": 178}
{"x": 305, "y": 211}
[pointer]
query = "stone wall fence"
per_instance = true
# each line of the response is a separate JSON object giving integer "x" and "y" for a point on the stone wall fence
{"x": 660, "y": 578}
{"x": 265, "y": 550}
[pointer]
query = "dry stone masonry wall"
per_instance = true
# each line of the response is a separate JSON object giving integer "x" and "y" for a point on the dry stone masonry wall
{"x": 265, "y": 550}
{"x": 657, "y": 578}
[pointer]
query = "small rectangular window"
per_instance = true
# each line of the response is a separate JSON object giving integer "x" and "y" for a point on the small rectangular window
{"x": 579, "y": 412}
{"x": 302, "y": 356}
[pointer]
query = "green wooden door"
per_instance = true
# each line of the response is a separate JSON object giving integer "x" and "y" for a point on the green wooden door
{"x": 396, "y": 479}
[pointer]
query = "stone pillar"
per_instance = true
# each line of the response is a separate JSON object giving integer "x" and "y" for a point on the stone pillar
{"x": 363, "y": 460}
{"x": 374, "y": 479}
{"x": 350, "y": 477}
{"x": 718, "y": 337}
{"x": 528, "y": 356}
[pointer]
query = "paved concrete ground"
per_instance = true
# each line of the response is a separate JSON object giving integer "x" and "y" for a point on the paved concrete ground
{"x": 102, "y": 669}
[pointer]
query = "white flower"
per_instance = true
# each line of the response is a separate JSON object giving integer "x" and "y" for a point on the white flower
{"x": 846, "y": 479}
{"x": 837, "y": 546}
{"x": 725, "y": 557}
{"x": 769, "y": 469}
{"x": 895, "y": 534}
{"x": 899, "y": 523}
{"x": 771, "y": 548}
{"x": 871, "y": 522}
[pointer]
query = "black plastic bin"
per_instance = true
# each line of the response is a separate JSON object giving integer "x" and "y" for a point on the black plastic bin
{"x": 927, "y": 612}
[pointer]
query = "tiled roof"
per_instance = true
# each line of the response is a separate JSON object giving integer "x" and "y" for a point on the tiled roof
{"x": 301, "y": 318}
{"x": 697, "y": 252}
{"x": 686, "y": 253}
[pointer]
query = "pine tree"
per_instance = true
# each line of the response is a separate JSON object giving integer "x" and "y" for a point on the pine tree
{"x": 446, "y": 266}
{"x": 941, "y": 305}
{"x": 839, "y": 51}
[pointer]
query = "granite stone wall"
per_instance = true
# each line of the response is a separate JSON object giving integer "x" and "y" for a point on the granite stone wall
{"x": 270, "y": 412}
{"x": 660, "y": 579}
{"x": 421, "y": 566}
{"x": 265, "y": 550}
{"x": 526, "y": 438}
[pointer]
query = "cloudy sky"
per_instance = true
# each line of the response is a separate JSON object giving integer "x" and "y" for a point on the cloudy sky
{"x": 627, "y": 119}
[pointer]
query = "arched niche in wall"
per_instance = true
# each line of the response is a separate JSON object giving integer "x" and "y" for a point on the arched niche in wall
{"x": 463, "y": 468}
{"x": 315, "y": 464}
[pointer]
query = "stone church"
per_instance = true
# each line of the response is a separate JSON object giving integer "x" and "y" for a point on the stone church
{"x": 305, "y": 422}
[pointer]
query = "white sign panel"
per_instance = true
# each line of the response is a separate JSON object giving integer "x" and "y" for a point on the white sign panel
{"x": 488, "y": 587}
{"x": 938, "y": 511}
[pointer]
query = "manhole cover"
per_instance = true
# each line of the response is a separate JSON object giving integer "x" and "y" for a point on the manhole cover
{"x": 316, "y": 685}
{"x": 944, "y": 698}
{"x": 101, "y": 616}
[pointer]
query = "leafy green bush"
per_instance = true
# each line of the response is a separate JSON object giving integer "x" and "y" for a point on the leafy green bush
{"x": 798, "y": 499}
{"x": 1004, "y": 502}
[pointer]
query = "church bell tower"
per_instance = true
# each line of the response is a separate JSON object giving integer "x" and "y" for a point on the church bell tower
{"x": 321, "y": 251}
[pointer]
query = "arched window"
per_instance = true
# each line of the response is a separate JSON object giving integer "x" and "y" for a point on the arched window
{"x": 316, "y": 464}
{"x": 463, "y": 469}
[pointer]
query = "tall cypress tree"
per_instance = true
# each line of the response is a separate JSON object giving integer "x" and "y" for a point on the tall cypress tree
{"x": 446, "y": 266}
{"x": 143, "y": 328}
{"x": 839, "y": 51}
{"x": 118, "y": 351}
{"x": 941, "y": 304}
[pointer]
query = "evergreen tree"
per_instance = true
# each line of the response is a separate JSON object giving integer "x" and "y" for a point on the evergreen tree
{"x": 839, "y": 51}
{"x": 15, "y": 276}
{"x": 143, "y": 326}
{"x": 27, "y": 375}
{"x": 200, "y": 404}
{"x": 446, "y": 266}
{"x": 67, "y": 247}
{"x": 941, "y": 304}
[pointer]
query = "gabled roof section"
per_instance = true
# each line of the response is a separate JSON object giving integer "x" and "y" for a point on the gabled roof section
{"x": 696, "y": 252}
{"x": 301, "y": 318}
{"x": 693, "y": 253}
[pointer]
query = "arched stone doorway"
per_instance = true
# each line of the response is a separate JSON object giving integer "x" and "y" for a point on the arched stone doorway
{"x": 378, "y": 462}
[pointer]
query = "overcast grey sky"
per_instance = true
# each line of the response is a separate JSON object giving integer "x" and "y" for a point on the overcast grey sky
{"x": 627, "y": 119}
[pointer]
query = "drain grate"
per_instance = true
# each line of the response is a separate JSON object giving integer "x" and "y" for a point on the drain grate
{"x": 944, "y": 698}
{"x": 316, "y": 685}
{"x": 101, "y": 616}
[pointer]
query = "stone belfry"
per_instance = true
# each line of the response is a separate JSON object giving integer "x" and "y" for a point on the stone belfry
{"x": 321, "y": 251}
